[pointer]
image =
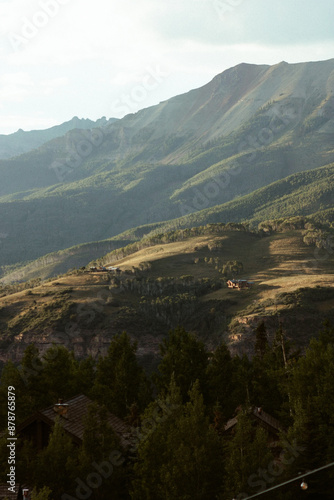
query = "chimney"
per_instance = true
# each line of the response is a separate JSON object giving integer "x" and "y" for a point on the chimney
{"x": 61, "y": 408}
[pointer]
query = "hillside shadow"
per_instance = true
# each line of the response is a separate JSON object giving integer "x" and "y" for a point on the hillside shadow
{"x": 267, "y": 287}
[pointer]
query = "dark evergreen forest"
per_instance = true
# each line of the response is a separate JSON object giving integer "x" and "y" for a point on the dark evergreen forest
{"x": 184, "y": 444}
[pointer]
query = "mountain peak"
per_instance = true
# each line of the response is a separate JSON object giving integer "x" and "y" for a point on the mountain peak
{"x": 170, "y": 159}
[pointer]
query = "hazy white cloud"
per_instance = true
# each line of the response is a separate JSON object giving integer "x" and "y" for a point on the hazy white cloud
{"x": 26, "y": 122}
{"x": 15, "y": 87}
{"x": 89, "y": 55}
{"x": 18, "y": 78}
{"x": 52, "y": 85}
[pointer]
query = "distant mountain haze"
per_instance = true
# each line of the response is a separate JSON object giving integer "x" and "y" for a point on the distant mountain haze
{"x": 21, "y": 141}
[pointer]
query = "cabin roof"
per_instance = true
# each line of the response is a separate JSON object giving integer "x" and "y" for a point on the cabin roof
{"x": 74, "y": 420}
{"x": 263, "y": 418}
{"x": 5, "y": 493}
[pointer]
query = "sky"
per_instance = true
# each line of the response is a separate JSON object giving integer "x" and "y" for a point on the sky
{"x": 65, "y": 58}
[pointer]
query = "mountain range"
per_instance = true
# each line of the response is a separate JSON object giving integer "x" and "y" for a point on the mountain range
{"x": 255, "y": 143}
{"x": 21, "y": 141}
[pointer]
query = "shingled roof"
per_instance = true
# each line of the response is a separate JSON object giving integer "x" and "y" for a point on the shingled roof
{"x": 18, "y": 495}
{"x": 5, "y": 493}
{"x": 72, "y": 414}
{"x": 264, "y": 419}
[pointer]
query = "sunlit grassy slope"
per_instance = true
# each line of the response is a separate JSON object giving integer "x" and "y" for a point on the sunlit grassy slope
{"x": 293, "y": 284}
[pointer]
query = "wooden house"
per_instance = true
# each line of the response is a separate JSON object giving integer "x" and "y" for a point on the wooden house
{"x": 261, "y": 418}
{"x": 114, "y": 269}
{"x": 239, "y": 284}
{"x": 72, "y": 414}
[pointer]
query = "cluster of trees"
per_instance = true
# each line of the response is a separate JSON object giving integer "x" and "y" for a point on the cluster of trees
{"x": 229, "y": 268}
{"x": 317, "y": 233}
{"x": 181, "y": 448}
{"x": 11, "y": 288}
{"x": 169, "y": 309}
{"x": 319, "y": 237}
{"x": 170, "y": 299}
{"x": 155, "y": 287}
{"x": 284, "y": 224}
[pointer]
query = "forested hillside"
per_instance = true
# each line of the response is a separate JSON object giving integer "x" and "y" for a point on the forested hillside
{"x": 204, "y": 433}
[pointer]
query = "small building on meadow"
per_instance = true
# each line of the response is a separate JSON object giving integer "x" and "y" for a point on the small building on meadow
{"x": 114, "y": 269}
{"x": 239, "y": 284}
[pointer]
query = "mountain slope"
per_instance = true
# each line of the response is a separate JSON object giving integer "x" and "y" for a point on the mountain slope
{"x": 299, "y": 195}
{"x": 247, "y": 128}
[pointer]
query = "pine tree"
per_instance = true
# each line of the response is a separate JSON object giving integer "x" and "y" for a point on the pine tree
{"x": 150, "y": 447}
{"x": 59, "y": 374}
{"x": 85, "y": 375}
{"x": 30, "y": 369}
{"x": 220, "y": 381}
{"x": 311, "y": 390}
{"x": 186, "y": 358}
{"x": 100, "y": 443}
{"x": 10, "y": 377}
{"x": 246, "y": 453}
{"x": 261, "y": 340}
{"x": 56, "y": 465}
{"x": 182, "y": 455}
{"x": 43, "y": 494}
{"x": 120, "y": 380}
